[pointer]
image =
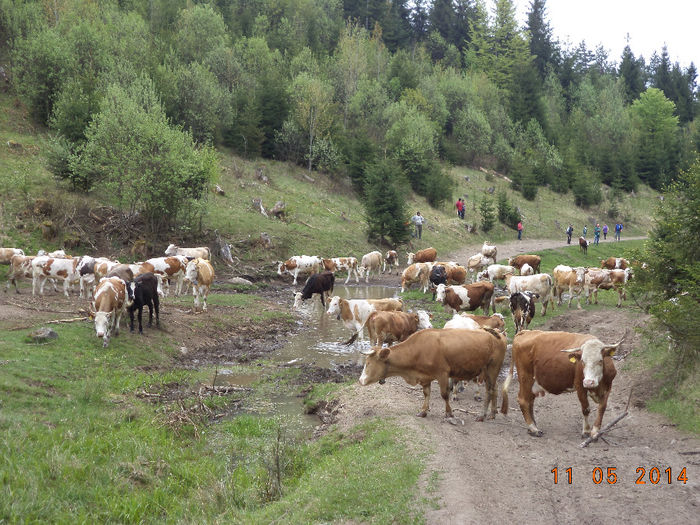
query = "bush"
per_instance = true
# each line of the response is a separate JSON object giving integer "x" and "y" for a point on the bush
{"x": 488, "y": 215}
{"x": 507, "y": 214}
{"x": 587, "y": 191}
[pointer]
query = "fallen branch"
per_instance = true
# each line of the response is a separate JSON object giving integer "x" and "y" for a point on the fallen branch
{"x": 26, "y": 307}
{"x": 308, "y": 225}
{"x": 70, "y": 320}
{"x": 607, "y": 427}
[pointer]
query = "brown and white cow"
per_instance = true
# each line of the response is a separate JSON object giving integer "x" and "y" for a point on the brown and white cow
{"x": 371, "y": 262}
{"x": 614, "y": 263}
{"x": 495, "y": 272}
{"x": 583, "y": 245}
{"x": 21, "y": 267}
{"x": 467, "y": 297}
{"x": 86, "y": 270}
{"x": 342, "y": 264}
{"x": 421, "y": 256}
{"x": 460, "y": 321}
{"x": 200, "y": 273}
{"x": 355, "y": 312}
{"x": 558, "y": 362}
{"x": 202, "y": 252}
{"x": 494, "y": 321}
{"x": 522, "y": 308}
{"x": 569, "y": 279}
{"x": 532, "y": 260}
{"x": 540, "y": 284}
{"x": 300, "y": 265}
{"x": 489, "y": 250}
{"x": 477, "y": 262}
{"x": 526, "y": 269}
{"x": 112, "y": 297}
{"x": 391, "y": 259}
{"x": 416, "y": 273}
{"x": 392, "y": 326}
{"x": 435, "y": 354}
{"x": 167, "y": 268}
{"x": 603, "y": 279}
{"x": 6, "y": 254}
{"x": 45, "y": 267}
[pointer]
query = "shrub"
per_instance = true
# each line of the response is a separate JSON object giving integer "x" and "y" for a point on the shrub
{"x": 488, "y": 215}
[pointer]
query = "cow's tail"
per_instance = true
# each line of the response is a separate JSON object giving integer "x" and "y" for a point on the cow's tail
{"x": 356, "y": 334}
{"x": 506, "y": 384}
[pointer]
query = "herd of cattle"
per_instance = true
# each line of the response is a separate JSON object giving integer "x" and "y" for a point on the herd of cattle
{"x": 474, "y": 346}
{"x": 115, "y": 288}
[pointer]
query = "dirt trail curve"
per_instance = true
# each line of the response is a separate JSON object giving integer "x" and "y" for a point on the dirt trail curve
{"x": 494, "y": 471}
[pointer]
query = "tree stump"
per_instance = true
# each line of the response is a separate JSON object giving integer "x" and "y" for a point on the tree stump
{"x": 265, "y": 240}
{"x": 260, "y": 174}
{"x": 219, "y": 190}
{"x": 258, "y": 206}
{"x": 278, "y": 210}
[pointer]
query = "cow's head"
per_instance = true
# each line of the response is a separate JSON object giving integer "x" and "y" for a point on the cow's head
{"x": 424, "y": 320}
{"x": 102, "y": 324}
{"x": 580, "y": 273}
{"x": 192, "y": 272}
{"x": 281, "y": 268}
{"x": 591, "y": 354}
{"x": 86, "y": 265}
{"x": 376, "y": 366}
{"x": 361, "y": 270}
{"x": 334, "y": 306}
{"x": 129, "y": 296}
{"x": 410, "y": 256}
{"x": 440, "y": 293}
{"x": 297, "y": 299}
{"x": 171, "y": 250}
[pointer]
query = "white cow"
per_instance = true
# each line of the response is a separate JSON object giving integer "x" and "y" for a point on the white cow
{"x": 526, "y": 269}
{"x": 541, "y": 284}
{"x": 6, "y": 254}
{"x": 202, "y": 252}
{"x": 353, "y": 313}
{"x": 495, "y": 271}
{"x": 460, "y": 321}
{"x": 371, "y": 261}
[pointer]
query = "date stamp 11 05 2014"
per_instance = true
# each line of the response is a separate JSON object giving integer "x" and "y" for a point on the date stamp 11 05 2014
{"x": 609, "y": 475}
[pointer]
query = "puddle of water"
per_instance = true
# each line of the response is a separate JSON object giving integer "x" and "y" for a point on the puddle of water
{"x": 320, "y": 342}
{"x": 231, "y": 379}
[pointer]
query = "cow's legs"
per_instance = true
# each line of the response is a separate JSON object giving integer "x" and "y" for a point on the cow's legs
{"x": 195, "y": 290}
{"x": 204, "y": 292}
{"x": 348, "y": 277}
{"x": 444, "y": 383}
{"x": 296, "y": 274}
{"x": 526, "y": 400}
{"x": 602, "y": 405}
{"x": 585, "y": 409}
{"x": 426, "y": 401}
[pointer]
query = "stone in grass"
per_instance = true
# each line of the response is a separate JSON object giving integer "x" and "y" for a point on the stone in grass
{"x": 41, "y": 335}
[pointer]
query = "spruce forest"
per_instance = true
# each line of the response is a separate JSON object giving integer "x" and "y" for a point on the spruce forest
{"x": 387, "y": 93}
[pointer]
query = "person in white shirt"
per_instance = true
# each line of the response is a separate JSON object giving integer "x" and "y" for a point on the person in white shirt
{"x": 418, "y": 220}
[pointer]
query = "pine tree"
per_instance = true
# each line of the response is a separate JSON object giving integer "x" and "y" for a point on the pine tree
{"x": 443, "y": 19}
{"x": 632, "y": 73}
{"x": 542, "y": 48}
{"x": 488, "y": 215}
{"x": 385, "y": 208}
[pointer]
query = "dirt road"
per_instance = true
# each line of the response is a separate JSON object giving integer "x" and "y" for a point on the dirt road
{"x": 494, "y": 471}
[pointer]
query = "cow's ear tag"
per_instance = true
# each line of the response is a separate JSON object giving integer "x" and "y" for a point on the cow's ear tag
{"x": 572, "y": 359}
{"x": 612, "y": 353}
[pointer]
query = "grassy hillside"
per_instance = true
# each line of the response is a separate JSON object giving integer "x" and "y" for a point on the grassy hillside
{"x": 324, "y": 216}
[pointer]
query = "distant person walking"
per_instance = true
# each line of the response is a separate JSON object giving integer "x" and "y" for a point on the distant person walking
{"x": 418, "y": 220}
{"x": 605, "y": 231}
{"x": 460, "y": 208}
{"x": 569, "y": 233}
{"x": 618, "y": 231}
{"x": 596, "y": 234}
{"x": 585, "y": 231}
{"x": 520, "y": 230}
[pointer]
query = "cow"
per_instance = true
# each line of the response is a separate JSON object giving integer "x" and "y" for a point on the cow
{"x": 558, "y": 362}
{"x": 46, "y": 267}
{"x": 6, "y": 254}
{"x": 438, "y": 275}
{"x": 460, "y": 321}
{"x": 342, "y": 264}
{"x": 583, "y": 245}
{"x": 446, "y": 273}
{"x": 571, "y": 279}
{"x": 478, "y": 262}
{"x": 495, "y": 272}
{"x": 86, "y": 271}
{"x": 416, "y": 273}
{"x": 354, "y": 312}
{"x": 299, "y": 264}
{"x": 167, "y": 268}
{"x": 123, "y": 271}
{"x": 21, "y": 267}
{"x": 111, "y": 298}
{"x": 320, "y": 283}
{"x": 392, "y": 326}
{"x": 144, "y": 290}
{"x": 435, "y": 354}
{"x": 526, "y": 269}
{"x": 522, "y": 308}
{"x": 371, "y": 262}
{"x": 200, "y": 273}
{"x": 421, "y": 256}
{"x": 489, "y": 250}
{"x": 494, "y": 321}
{"x": 614, "y": 263}
{"x": 391, "y": 259}
{"x": 202, "y": 252}
{"x": 467, "y": 297}
{"x": 518, "y": 261}
{"x": 540, "y": 284}
{"x": 56, "y": 254}
{"x": 604, "y": 279}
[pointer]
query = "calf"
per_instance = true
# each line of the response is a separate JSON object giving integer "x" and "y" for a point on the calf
{"x": 371, "y": 262}
{"x": 421, "y": 256}
{"x": 489, "y": 250}
{"x": 532, "y": 260}
{"x": 342, "y": 264}
{"x": 571, "y": 279}
{"x": 466, "y": 297}
{"x": 320, "y": 283}
{"x": 299, "y": 264}
{"x": 522, "y": 308}
{"x": 20, "y": 267}
{"x": 416, "y": 273}
{"x": 440, "y": 355}
{"x": 495, "y": 272}
{"x": 392, "y": 326}
{"x": 200, "y": 273}
{"x": 46, "y": 267}
{"x": 353, "y": 313}
{"x": 144, "y": 290}
{"x": 539, "y": 284}
{"x": 202, "y": 252}
{"x": 391, "y": 259}
{"x": 6, "y": 254}
{"x": 478, "y": 262}
{"x": 111, "y": 297}
{"x": 583, "y": 245}
{"x": 558, "y": 362}
{"x": 614, "y": 263}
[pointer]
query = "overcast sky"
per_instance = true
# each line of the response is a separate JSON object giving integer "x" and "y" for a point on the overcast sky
{"x": 650, "y": 25}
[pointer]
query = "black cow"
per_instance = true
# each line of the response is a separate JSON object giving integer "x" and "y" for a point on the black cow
{"x": 145, "y": 290}
{"x": 522, "y": 306}
{"x": 320, "y": 283}
{"x": 438, "y": 275}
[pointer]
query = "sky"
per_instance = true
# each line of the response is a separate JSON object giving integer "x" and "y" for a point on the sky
{"x": 650, "y": 24}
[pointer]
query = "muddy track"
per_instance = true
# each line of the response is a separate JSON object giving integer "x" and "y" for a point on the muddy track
{"x": 493, "y": 471}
